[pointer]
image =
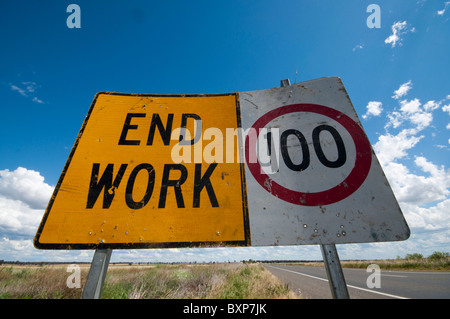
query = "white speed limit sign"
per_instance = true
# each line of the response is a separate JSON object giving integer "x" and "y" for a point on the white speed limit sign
{"x": 312, "y": 176}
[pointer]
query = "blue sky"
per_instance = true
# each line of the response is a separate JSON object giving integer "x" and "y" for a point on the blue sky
{"x": 396, "y": 76}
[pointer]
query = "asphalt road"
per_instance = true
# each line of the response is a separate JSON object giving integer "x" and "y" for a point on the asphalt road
{"x": 312, "y": 283}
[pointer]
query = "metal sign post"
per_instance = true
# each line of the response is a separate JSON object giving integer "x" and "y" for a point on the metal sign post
{"x": 334, "y": 272}
{"x": 97, "y": 273}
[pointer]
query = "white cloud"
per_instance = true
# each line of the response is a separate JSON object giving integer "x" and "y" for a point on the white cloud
{"x": 35, "y": 99}
{"x": 358, "y": 47}
{"x": 446, "y": 108}
{"x": 17, "y": 218}
{"x": 412, "y": 111}
{"x": 18, "y": 244}
{"x": 398, "y": 29}
{"x": 434, "y": 218}
{"x": 26, "y": 186}
{"x": 421, "y": 120}
{"x": 26, "y": 89}
{"x": 431, "y": 105}
{"x": 422, "y": 196}
{"x": 418, "y": 189}
{"x": 12, "y": 249}
{"x": 23, "y": 197}
{"x": 392, "y": 147}
{"x": 374, "y": 108}
{"x": 402, "y": 90}
{"x": 410, "y": 107}
{"x": 421, "y": 187}
{"x": 441, "y": 12}
{"x": 18, "y": 89}
{"x": 30, "y": 87}
{"x": 395, "y": 119}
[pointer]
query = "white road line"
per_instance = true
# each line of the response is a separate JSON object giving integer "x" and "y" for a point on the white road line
{"x": 420, "y": 272}
{"x": 300, "y": 273}
{"x": 350, "y": 286}
{"x": 383, "y": 273}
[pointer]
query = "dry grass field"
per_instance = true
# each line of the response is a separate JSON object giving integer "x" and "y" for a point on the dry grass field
{"x": 438, "y": 261}
{"x": 180, "y": 281}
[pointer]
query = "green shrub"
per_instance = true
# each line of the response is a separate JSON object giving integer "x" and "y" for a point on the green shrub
{"x": 437, "y": 255}
{"x": 415, "y": 256}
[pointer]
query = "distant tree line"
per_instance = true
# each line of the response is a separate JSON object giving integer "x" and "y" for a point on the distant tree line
{"x": 437, "y": 255}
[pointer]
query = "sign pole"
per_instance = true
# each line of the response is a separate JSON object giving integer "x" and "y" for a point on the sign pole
{"x": 97, "y": 273}
{"x": 331, "y": 258}
{"x": 334, "y": 272}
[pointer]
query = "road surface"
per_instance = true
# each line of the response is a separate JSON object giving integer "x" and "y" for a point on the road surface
{"x": 312, "y": 283}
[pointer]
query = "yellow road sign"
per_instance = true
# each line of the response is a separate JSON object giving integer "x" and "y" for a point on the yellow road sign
{"x": 151, "y": 171}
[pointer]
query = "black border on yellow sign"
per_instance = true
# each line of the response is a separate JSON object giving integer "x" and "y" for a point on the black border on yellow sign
{"x": 245, "y": 242}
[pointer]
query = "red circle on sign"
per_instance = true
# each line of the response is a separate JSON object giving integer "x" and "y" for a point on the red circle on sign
{"x": 344, "y": 189}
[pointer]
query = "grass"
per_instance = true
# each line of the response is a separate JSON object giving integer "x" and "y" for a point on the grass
{"x": 200, "y": 281}
{"x": 35, "y": 283}
{"x": 251, "y": 282}
{"x": 403, "y": 264}
{"x": 436, "y": 262}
